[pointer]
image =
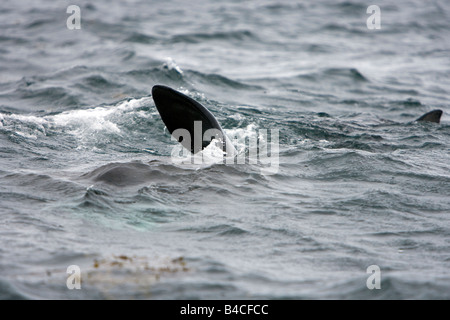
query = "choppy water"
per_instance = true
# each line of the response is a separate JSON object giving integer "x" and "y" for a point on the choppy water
{"x": 359, "y": 183}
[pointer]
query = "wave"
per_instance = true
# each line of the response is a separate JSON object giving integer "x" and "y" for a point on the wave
{"x": 236, "y": 35}
{"x": 224, "y": 230}
{"x": 87, "y": 126}
{"x": 219, "y": 81}
{"x": 138, "y": 37}
{"x": 328, "y": 74}
{"x": 191, "y": 38}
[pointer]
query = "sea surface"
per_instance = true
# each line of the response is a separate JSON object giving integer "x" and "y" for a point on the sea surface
{"x": 88, "y": 178}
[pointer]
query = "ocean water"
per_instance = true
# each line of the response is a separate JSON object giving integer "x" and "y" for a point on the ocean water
{"x": 87, "y": 176}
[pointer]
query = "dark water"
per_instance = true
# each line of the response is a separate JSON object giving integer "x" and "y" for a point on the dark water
{"x": 87, "y": 178}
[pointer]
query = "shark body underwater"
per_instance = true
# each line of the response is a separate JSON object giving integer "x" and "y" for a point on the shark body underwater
{"x": 185, "y": 118}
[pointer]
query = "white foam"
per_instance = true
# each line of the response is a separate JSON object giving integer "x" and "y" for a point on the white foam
{"x": 171, "y": 65}
{"x": 211, "y": 155}
{"x": 25, "y": 119}
{"x": 26, "y": 135}
{"x": 81, "y": 123}
{"x": 96, "y": 118}
{"x": 241, "y": 136}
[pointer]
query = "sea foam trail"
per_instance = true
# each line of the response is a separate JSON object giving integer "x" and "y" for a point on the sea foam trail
{"x": 100, "y": 124}
{"x": 82, "y": 123}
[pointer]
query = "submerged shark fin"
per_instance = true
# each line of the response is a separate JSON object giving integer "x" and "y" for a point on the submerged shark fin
{"x": 432, "y": 116}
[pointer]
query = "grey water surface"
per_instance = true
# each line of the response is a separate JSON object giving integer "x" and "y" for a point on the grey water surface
{"x": 87, "y": 176}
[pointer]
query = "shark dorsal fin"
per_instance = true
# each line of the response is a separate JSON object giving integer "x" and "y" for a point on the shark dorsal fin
{"x": 179, "y": 111}
{"x": 432, "y": 116}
